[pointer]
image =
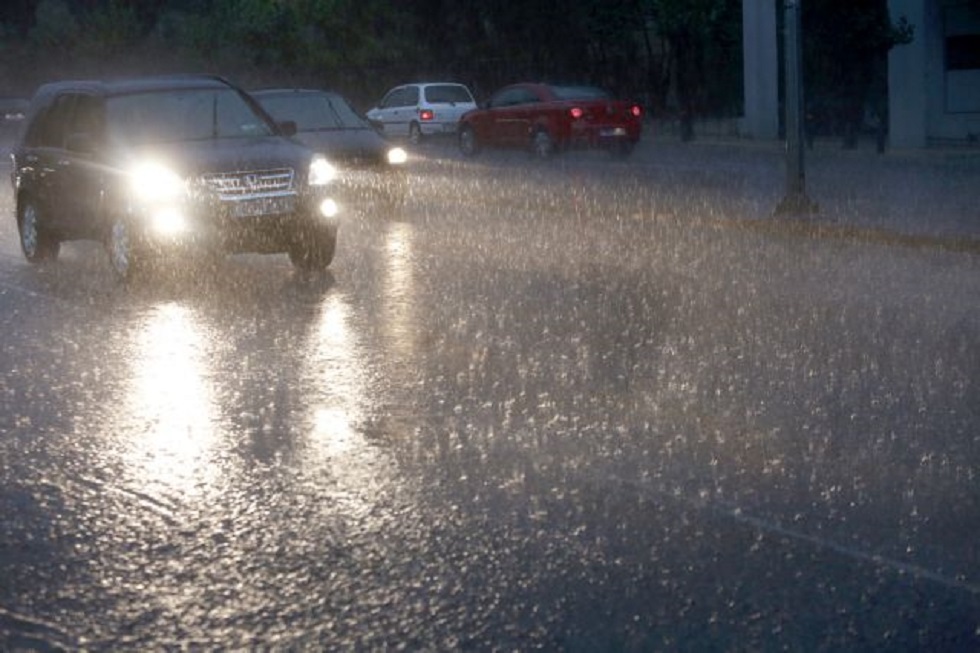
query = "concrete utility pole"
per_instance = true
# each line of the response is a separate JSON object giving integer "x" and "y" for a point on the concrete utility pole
{"x": 795, "y": 200}
{"x": 760, "y": 68}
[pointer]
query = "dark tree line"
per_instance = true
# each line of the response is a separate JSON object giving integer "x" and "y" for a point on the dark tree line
{"x": 681, "y": 58}
{"x": 847, "y": 84}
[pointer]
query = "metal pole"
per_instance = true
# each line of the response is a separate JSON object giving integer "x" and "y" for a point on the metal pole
{"x": 795, "y": 200}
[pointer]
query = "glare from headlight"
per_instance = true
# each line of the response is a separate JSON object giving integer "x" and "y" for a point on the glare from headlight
{"x": 153, "y": 182}
{"x": 397, "y": 156}
{"x": 329, "y": 208}
{"x": 321, "y": 171}
{"x": 168, "y": 221}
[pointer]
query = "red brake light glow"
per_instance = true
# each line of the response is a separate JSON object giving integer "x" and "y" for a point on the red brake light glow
{"x": 426, "y": 114}
{"x": 576, "y": 112}
{"x": 636, "y": 110}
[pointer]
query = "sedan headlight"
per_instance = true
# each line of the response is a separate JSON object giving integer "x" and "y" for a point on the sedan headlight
{"x": 397, "y": 156}
{"x": 153, "y": 182}
{"x": 321, "y": 171}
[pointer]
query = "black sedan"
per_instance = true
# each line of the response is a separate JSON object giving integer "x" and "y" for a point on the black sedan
{"x": 370, "y": 166}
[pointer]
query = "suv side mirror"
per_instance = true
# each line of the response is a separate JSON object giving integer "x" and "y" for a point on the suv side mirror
{"x": 288, "y": 127}
{"x": 81, "y": 142}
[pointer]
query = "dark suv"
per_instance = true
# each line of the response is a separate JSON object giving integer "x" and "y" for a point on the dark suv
{"x": 154, "y": 165}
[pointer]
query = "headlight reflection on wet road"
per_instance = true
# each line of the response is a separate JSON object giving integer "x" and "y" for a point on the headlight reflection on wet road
{"x": 171, "y": 402}
{"x": 337, "y": 450}
{"x": 399, "y": 286}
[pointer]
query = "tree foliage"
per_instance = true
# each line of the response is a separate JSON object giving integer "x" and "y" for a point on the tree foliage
{"x": 680, "y": 57}
{"x": 845, "y": 62}
{"x": 111, "y": 28}
{"x": 55, "y": 25}
{"x": 701, "y": 38}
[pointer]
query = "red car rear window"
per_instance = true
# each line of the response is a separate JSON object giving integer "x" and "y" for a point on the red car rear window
{"x": 579, "y": 93}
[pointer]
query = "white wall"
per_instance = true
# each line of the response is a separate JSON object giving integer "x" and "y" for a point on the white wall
{"x": 927, "y": 102}
{"x": 907, "y": 78}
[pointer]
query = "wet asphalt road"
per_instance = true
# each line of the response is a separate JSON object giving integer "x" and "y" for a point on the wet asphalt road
{"x": 560, "y": 406}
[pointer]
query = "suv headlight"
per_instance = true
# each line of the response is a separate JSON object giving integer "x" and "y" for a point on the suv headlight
{"x": 397, "y": 156}
{"x": 321, "y": 171}
{"x": 153, "y": 182}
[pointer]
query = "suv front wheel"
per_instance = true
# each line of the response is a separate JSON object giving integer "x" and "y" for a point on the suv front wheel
{"x": 37, "y": 244}
{"x": 314, "y": 249}
{"x": 124, "y": 256}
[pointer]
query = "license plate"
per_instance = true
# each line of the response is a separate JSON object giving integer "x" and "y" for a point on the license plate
{"x": 263, "y": 206}
{"x": 613, "y": 131}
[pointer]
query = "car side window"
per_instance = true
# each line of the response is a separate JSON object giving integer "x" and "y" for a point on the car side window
{"x": 50, "y": 127}
{"x": 35, "y": 134}
{"x": 526, "y": 96}
{"x": 401, "y": 97}
{"x": 389, "y": 100}
{"x": 509, "y": 97}
{"x": 447, "y": 94}
{"x": 500, "y": 99}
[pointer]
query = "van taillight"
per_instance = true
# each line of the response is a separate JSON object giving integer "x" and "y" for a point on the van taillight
{"x": 426, "y": 114}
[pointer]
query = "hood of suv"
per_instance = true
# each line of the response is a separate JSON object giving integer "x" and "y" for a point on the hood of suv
{"x": 192, "y": 158}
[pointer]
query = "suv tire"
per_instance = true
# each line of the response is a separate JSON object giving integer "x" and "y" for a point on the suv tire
{"x": 35, "y": 241}
{"x": 124, "y": 255}
{"x": 314, "y": 249}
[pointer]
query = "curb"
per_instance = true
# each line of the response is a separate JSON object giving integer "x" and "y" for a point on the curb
{"x": 963, "y": 160}
{"x": 816, "y": 229}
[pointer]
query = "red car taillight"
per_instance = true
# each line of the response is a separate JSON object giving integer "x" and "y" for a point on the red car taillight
{"x": 576, "y": 112}
{"x": 636, "y": 111}
{"x": 426, "y": 114}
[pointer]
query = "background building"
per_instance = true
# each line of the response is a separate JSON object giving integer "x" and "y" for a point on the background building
{"x": 933, "y": 82}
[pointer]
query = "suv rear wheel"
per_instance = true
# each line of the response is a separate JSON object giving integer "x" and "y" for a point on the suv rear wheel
{"x": 37, "y": 244}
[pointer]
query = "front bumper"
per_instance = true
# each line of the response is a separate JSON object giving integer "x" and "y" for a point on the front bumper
{"x": 261, "y": 225}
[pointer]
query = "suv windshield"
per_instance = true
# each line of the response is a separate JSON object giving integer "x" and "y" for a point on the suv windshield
{"x": 313, "y": 112}
{"x": 182, "y": 115}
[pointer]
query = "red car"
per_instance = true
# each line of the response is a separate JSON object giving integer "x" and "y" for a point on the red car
{"x": 549, "y": 118}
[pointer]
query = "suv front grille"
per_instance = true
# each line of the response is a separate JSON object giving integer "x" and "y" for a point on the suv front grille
{"x": 231, "y": 186}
